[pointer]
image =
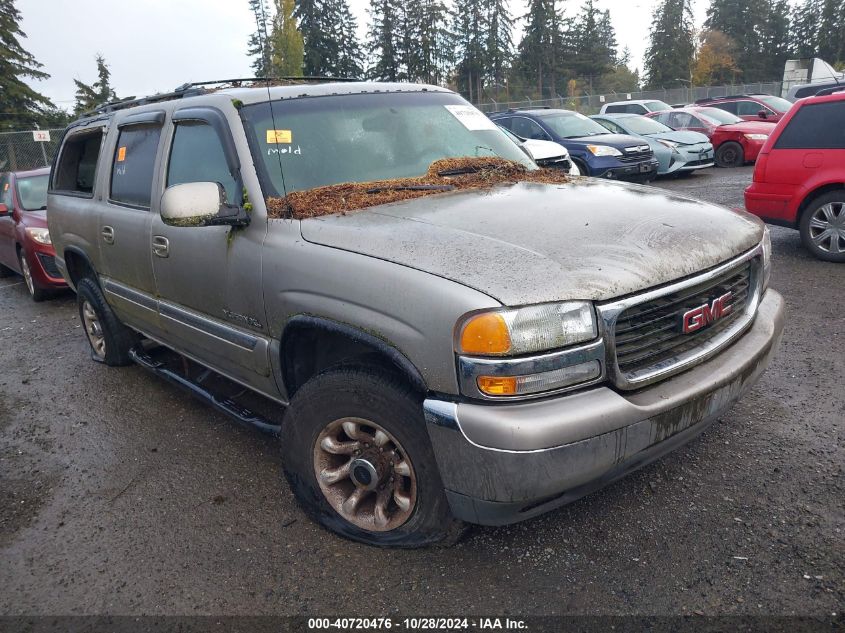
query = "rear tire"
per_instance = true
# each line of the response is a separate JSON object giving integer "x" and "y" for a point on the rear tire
{"x": 347, "y": 418}
{"x": 730, "y": 154}
{"x": 822, "y": 227}
{"x": 109, "y": 339}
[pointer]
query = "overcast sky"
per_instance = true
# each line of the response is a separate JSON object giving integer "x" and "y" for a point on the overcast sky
{"x": 156, "y": 45}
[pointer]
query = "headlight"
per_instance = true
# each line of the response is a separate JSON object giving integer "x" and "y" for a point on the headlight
{"x": 515, "y": 331}
{"x": 42, "y": 236}
{"x": 756, "y": 137}
{"x": 767, "y": 257}
{"x": 669, "y": 144}
{"x": 603, "y": 150}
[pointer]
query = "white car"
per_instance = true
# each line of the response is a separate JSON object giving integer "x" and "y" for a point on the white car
{"x": 545, "y": 153}
{"x": 635, "y": 106}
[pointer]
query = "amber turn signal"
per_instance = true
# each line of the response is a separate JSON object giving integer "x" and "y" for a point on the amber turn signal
{"x": 497, "y": 385}
{"x": 486, "y": 334}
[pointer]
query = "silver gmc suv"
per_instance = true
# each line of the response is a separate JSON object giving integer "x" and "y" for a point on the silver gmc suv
{"x": 430, "y": 350}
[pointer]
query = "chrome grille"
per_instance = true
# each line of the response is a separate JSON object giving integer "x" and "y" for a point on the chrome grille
{"x": 648, "y": 342}
{"x": 636, "y": 157}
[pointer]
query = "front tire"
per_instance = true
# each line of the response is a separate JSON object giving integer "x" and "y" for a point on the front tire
{"x": 37, "y": 294}
{"x": 730, "y": 154}
{"x": 357, "y": 456}
{"x": 109, "y": 339}
{"x": 822, "y": 227}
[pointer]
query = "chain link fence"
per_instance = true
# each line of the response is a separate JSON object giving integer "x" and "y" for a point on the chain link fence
{"x": 20, "y": 150}
{"x": 591, "y": 104}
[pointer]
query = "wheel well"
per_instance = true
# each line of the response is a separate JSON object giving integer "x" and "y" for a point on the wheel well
{"x": 77, "y": 266}
{"x": 310, "y": 346}
{"x": 815, "y": 193}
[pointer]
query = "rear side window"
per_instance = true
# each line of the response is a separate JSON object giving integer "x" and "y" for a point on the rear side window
{"x": 77, "y": 165}
{"x": 505, "y": 122}
{"x": 815, "y": 126}
{"x": 197, "y": 156}
{"x": 616, "y": 108}
{"x": 731, "y": 106}
{"x": 526, "y": 128}
{"x": 134, "y": 165}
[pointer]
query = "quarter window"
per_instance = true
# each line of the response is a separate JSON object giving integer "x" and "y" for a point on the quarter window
{"x": 729, "y": 106}
{"x": 134, "y": 165}
{"x": 197, "y": 156}
{"x": 77, "y": 165}
{"x": 815, "y": 126}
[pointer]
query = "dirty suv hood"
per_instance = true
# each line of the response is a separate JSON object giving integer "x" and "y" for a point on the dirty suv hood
{"x": 531, "y": 243}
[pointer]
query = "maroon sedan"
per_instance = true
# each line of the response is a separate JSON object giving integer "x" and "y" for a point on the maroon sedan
{"x": 25, "y": 245}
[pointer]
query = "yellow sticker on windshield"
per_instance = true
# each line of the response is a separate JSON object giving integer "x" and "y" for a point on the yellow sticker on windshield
{"x": 121, "y": 154}
{"x": 279, "y": 136}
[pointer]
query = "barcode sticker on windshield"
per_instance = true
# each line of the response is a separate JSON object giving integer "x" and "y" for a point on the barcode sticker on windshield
{"x": 279, "y": 136}
{"x": 471, "y": 118}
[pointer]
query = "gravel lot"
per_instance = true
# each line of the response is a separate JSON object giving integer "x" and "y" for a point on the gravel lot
{"x": 122, "y": 495}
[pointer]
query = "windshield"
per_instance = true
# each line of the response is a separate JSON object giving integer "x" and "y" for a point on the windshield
{"x": 573, "y": 124}
{"x": 657, "y": 106}
{"x": 645, "y": 126}
{"x": 32, "y": 192}
{"x": 775, "y": 103}
{"x": 319, "y": 141}
{"x": 717, "y": 116}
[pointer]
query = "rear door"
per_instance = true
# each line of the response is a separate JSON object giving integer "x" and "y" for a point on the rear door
{"x": 125, "y": 219}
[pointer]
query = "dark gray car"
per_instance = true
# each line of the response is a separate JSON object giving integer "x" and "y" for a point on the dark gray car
{"x": 480, "y": 354}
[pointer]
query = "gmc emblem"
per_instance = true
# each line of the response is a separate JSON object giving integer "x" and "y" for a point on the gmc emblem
{"x": 702, "y": 316}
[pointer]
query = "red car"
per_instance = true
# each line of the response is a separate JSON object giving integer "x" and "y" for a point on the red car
{"x": 757, "y": 107}
{"x": 799, "y": 180}
{"x": 25, "y": 245}
{"x": 736, "y": 141}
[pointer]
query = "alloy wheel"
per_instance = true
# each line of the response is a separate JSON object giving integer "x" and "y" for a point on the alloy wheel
{"x": 365, "y": 474}
{"x": 27, "y": 275}
{"x": 93, "y": 329}
{"x": 827, "y": 227}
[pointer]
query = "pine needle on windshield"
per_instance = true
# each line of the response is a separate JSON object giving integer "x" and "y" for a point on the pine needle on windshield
{"x": 445, "y": 174}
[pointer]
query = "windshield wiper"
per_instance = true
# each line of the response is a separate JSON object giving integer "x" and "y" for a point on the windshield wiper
{"x": 414, "y": 187}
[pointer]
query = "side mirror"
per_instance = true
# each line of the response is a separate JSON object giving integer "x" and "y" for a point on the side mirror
{"x": 763, "y": 114}
{"x": 200, "y": 204}
{"x": 4, "y": 210}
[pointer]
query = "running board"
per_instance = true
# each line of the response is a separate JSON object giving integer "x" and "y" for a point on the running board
{"x": 224, "y": 405}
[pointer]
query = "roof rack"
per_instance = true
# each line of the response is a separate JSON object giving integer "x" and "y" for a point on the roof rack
{"x": 720, "y": 98}
{"x": 829, "y": 91}
{"x": 192, "y": 89}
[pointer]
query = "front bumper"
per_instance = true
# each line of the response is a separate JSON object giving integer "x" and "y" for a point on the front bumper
{"x": 507, "y": 462}
{"x": 691, "y": 160}
{"x": 42, "y": 264}
{"x": 631, "y": 171}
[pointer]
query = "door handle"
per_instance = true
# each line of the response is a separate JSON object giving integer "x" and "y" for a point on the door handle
{"x": 161, "y": 246}
{"x": 108, "y": 234}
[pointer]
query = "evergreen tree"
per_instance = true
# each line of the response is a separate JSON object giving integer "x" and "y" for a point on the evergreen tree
{"x": 90, "y": 96}
{"x": 743, "y": 22}
{"x": 499, "y": 44}
{"x": 593, "y": 43}
{"x": 776, "y": 47}
{"x": 831, "y": 46}
{"x": 261, "y": 54}
{"x": 285, "y": 44}
{"x": 537, "y": 59}
{"x": 21, "y": 107}
{"x": 329, "y": 40}
{"x": 349, "y": 62}
{"x": 669, "y": 56}
{"x": 469, "y": 24}
{"x": 805, "y": 28}
{"x": 382, "y": 39}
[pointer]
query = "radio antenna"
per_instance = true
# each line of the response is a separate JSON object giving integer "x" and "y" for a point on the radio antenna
{"x": 266, "y": 57}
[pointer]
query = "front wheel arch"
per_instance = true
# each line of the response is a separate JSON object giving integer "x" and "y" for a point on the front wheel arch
{"x": 312, "y": 344}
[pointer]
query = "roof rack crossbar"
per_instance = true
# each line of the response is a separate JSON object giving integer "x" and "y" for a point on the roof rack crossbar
{"x": 195, "y": 88}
